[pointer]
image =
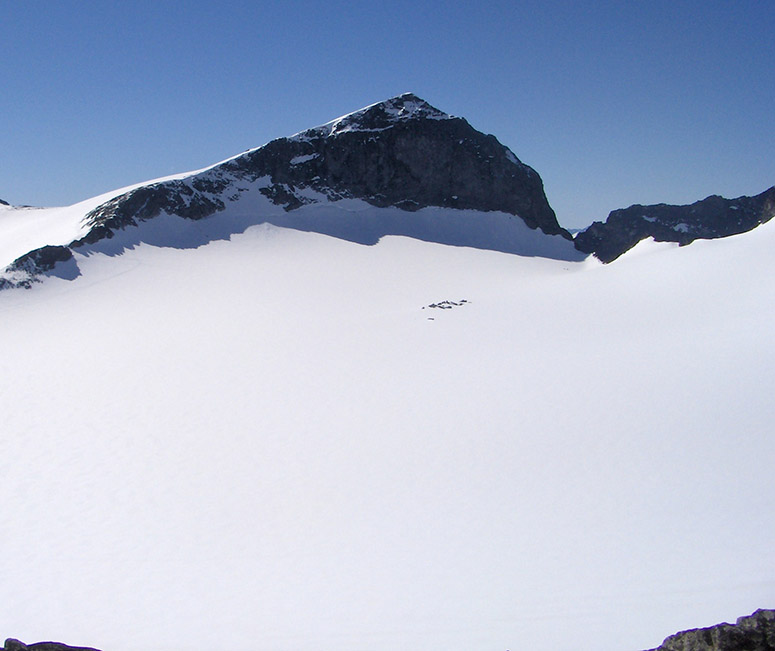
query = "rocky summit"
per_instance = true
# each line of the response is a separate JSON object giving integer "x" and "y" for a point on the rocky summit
{"x": 710, "y": 218}
{"x": 402, "y": 152}
{"x": 405, "y": 153}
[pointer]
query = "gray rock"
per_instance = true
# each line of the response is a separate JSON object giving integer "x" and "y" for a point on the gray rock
{"x": 15, "y": 645}
{"x": 402, "y": 152}
{"x": 755, "y": 632}
{"x": 710, "y": 218}
{"x": 36, "y": 263}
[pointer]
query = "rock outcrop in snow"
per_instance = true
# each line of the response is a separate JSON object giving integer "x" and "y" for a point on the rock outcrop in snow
{"x": 15, "y": 645}
{"x": 710, "y": 218}
{"x": 752, "y": 633}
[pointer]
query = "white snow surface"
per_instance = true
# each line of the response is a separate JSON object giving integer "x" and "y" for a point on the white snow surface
{"x": 266, "y": 443}
{"x": 296, "y": 160}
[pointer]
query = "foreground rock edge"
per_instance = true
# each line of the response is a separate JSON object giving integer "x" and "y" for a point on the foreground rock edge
{"x": 12, "y": 644}
{"x": 755, "y": 632}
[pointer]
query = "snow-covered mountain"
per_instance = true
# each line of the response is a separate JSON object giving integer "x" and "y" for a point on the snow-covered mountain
{"x": 401, "y": 154}
{"x": 240, "y": 431}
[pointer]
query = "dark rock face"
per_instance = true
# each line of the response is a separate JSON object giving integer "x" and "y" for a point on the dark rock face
{"x": 753, "y": 633}
{"x": 710, "y": 218}
{"x": 193, "y": 200}
{"x": 4, "y": 203}
{"x": 43, "y": 259}
{"x": 16, "y": 645}
{"x": 36, "y": 262}
{"x": 403, "y": 153}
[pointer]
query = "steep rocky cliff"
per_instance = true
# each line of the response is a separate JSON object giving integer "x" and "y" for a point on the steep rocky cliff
{"x": 402, "y": 152}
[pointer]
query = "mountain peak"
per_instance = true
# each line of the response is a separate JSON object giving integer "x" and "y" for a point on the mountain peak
{"x": 379, "y": 116}
{"x": 401, "y": 153}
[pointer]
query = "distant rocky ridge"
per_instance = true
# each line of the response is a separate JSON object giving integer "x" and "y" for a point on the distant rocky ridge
{"x": 755, "y": 632}
{"x": 710, "y": 218}
{"x": 401, "y": 153}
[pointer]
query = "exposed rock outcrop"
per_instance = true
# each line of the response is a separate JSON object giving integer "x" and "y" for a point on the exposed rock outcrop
{"x": 25, "y": 269}
{"x": 15, "y": 645}
{"x": 402, "y": 152}
{"x": 755, "y": 632}
{"x": 710, "y": 218}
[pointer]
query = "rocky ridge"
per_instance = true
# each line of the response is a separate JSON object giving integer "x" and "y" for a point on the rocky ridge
{"x": 710, "y": 218}
{"x": 755, "y": 632}
{"x": 400, "y": 153}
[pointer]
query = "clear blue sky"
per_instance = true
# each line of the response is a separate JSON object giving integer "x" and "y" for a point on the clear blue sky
{"x": 613, "y": 103}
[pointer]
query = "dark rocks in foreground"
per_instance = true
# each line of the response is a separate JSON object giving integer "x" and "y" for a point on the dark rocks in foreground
{"x": 710, "y": 218}
{"x": 755, "y": 632}
{"x": 15, "y": 645}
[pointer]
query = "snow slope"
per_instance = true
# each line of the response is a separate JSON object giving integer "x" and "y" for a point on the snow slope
{"x": 25, "y": 228}
{"x": 272, "y": 442}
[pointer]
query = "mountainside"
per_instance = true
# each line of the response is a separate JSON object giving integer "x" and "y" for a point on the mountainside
{"x": 710, "y": 218}
{"x": 401, "y": 153}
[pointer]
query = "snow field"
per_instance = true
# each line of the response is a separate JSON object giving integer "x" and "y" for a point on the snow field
{"x": 265, "y": 443}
